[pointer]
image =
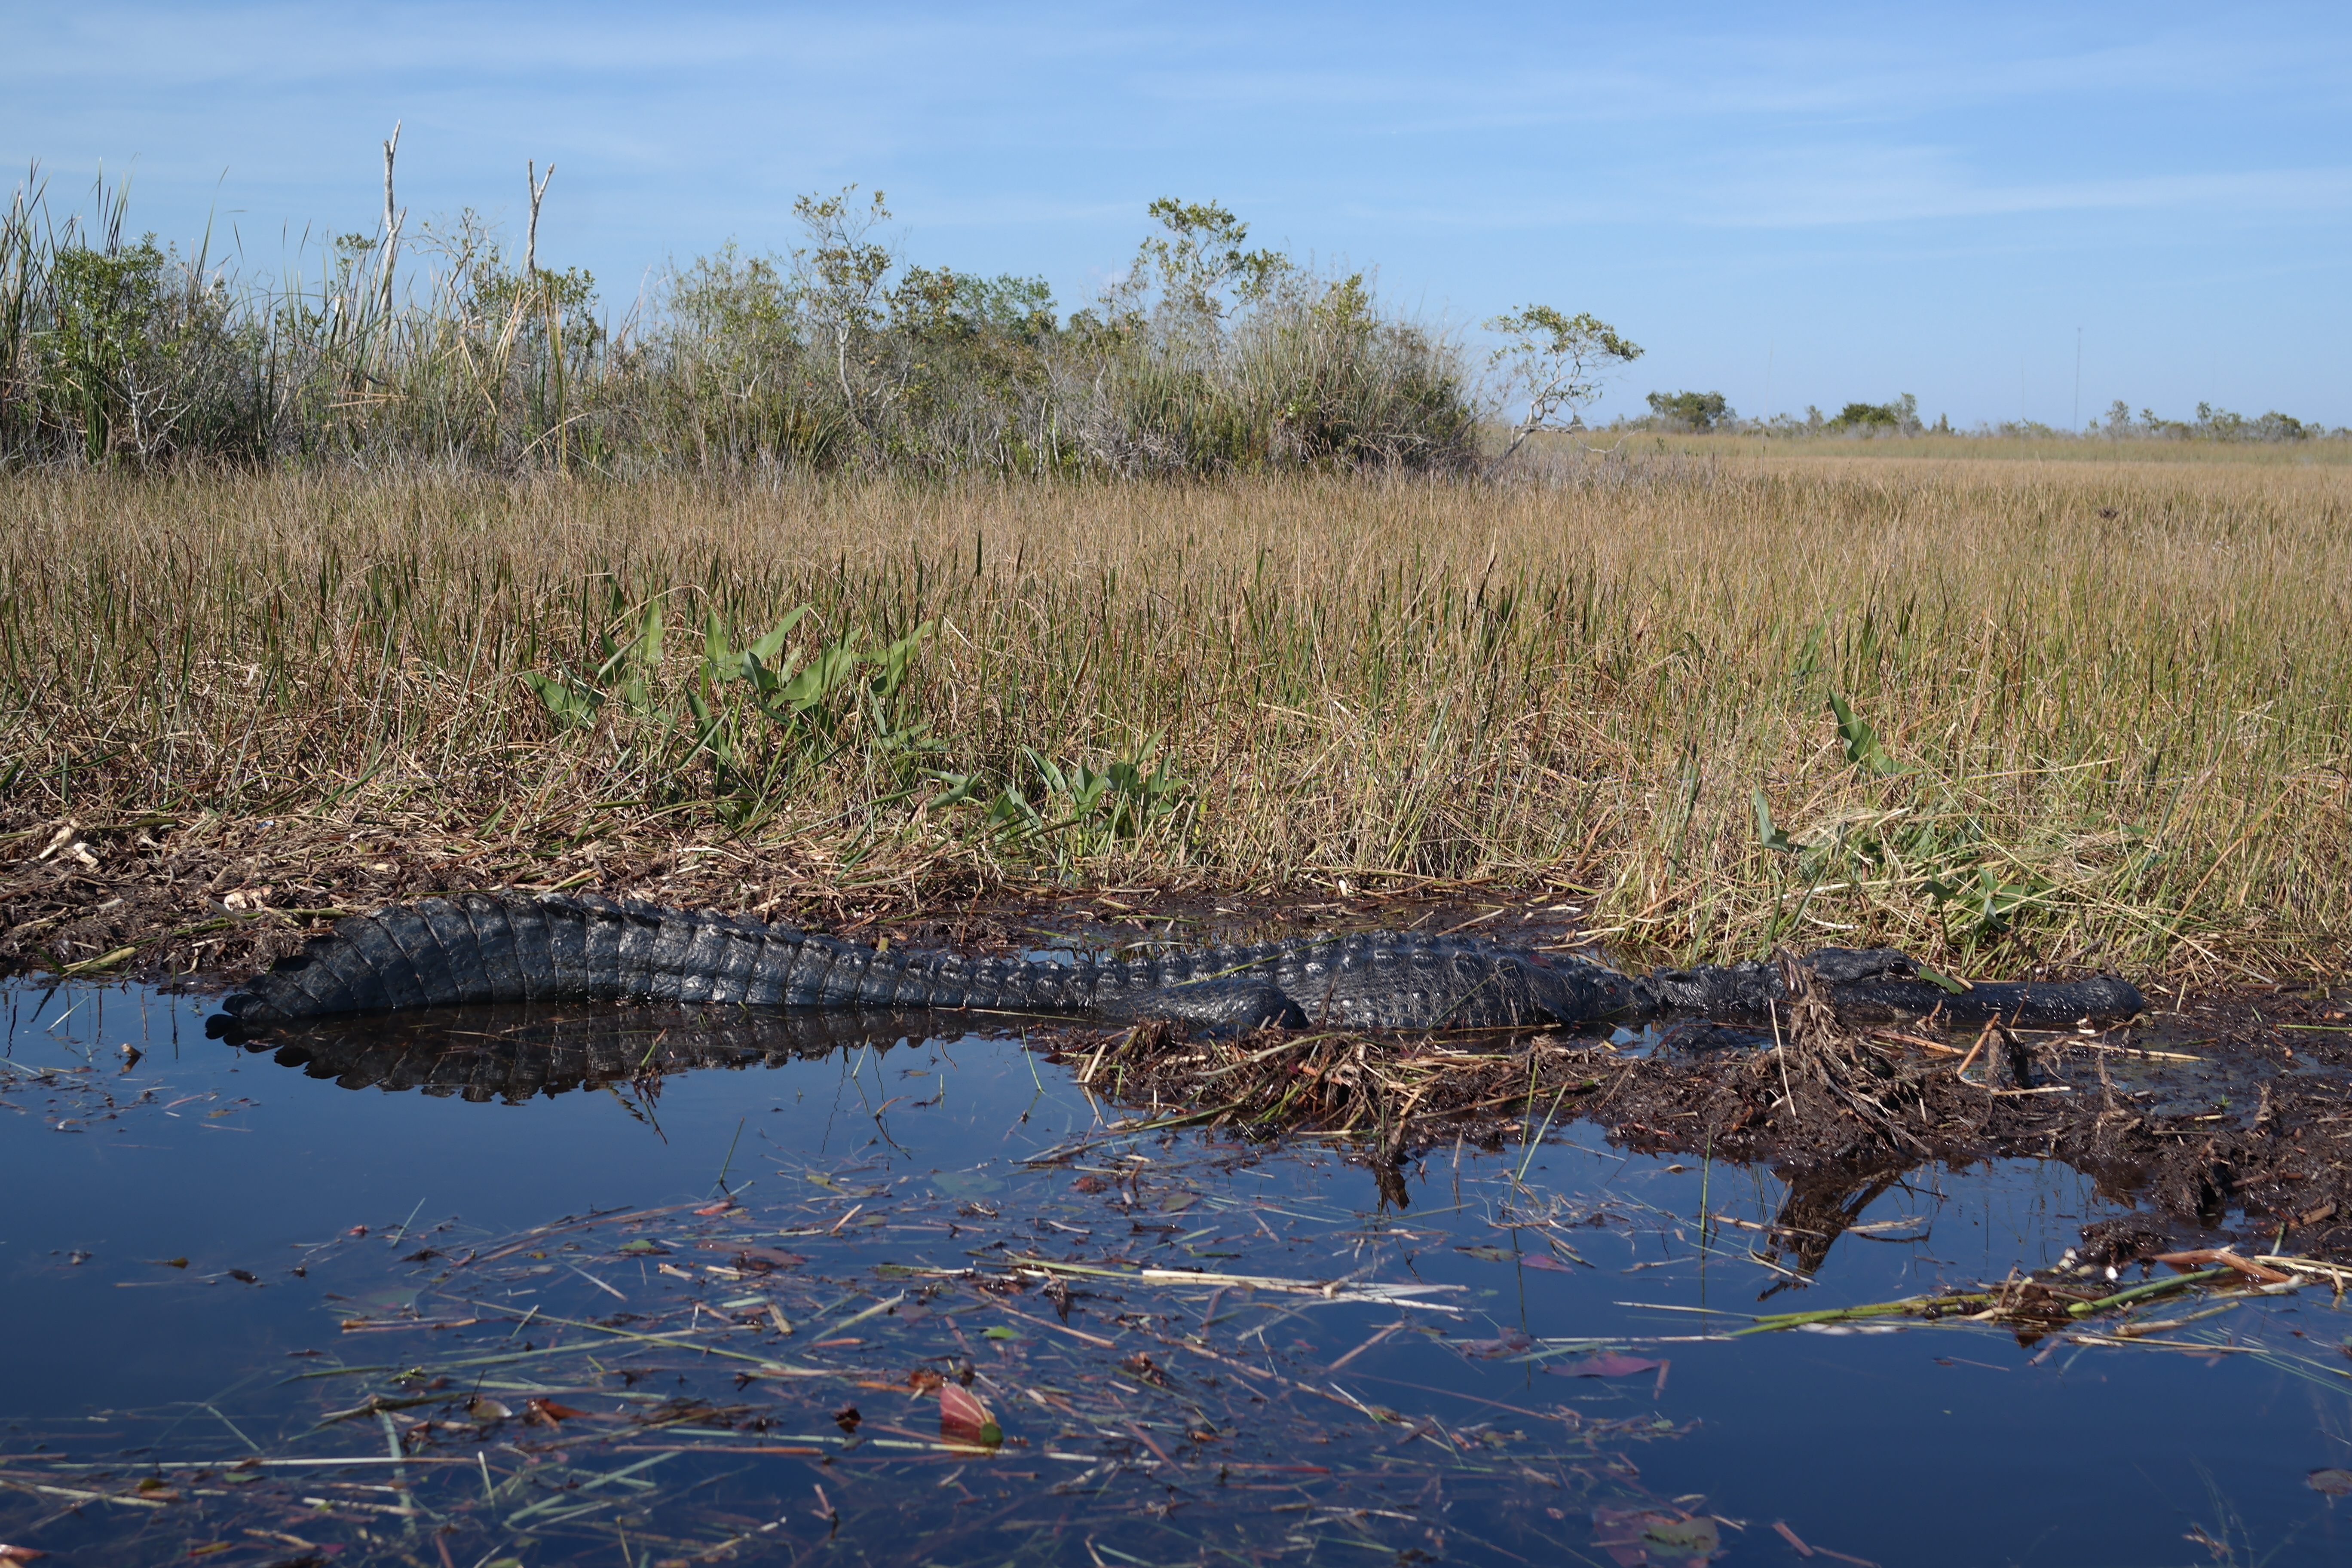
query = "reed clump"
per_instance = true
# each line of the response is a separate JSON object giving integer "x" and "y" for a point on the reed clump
{"x": 2002, "y": 714}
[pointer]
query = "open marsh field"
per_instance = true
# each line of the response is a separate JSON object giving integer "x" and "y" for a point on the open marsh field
{"x": 2096, "y": 713}
{"x": 503, "y": 1286}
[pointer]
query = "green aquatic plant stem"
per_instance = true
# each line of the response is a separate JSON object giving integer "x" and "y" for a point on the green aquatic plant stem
{"x": 2153, "y": 1287}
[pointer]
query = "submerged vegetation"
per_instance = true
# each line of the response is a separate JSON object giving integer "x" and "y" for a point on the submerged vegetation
{"x": 2000, "y": 715}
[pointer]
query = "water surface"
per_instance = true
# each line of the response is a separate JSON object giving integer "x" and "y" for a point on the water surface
{"x": 514, "y": 1286}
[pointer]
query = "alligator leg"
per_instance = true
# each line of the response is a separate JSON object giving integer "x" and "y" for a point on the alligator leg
{"x": 1235, "y": 1005}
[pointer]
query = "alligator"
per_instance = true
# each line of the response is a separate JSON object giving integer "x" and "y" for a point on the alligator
{"x": 480, "y": 948}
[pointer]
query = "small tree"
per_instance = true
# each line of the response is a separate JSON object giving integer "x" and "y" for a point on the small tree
{"x": 1700, "y": 411}
{"x": 1858, "y": 416}
{"x": 1901, "y": 417}
{"x": 838, "y": 283}
{"x": 1203, "y": 266}
{"x": 1556, "y": 362}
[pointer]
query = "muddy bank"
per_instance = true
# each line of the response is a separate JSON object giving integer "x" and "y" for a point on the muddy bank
{"x": 2218, "y": 1118}
{"x": 2220, "y": 1115}
{"x": 155, "y": 899}
{"x": 2228, "y": 1119}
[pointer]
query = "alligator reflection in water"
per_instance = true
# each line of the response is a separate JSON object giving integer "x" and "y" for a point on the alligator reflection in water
{"x": 1822, "y": 1206}
{"x": 510, "y": 1052}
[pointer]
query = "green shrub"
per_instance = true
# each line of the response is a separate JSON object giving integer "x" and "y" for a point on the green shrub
{"x": 1700, "y": 411}
{"x": 1207, "y": 357}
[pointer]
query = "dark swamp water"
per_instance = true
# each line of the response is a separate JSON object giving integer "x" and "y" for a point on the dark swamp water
{"x": 270, "y": 1311}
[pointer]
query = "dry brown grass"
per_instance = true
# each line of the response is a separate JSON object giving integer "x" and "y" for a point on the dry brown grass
{"x": 2120, "y": 691}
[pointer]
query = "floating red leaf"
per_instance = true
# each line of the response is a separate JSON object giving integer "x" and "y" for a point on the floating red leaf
{"x": 1605, "y": 1366}
{"x": 1508, "y": 1343}
{"x": 760, "y": 1259}
{"x": 964, "y": 1419}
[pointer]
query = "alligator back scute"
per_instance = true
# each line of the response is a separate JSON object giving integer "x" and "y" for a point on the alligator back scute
{"x": 503, "y": 976}
{"x": 461, "y": 952}
{"x": 735, "y": 950}
{"x": 324, "y": 973}
{"x": 947, "y": 981}
{"x": 771, "y": 969}
{"x": 391, "y": 974}
{"x": 629, "y": 971}
{"x": 281, "y": 993}
{"x": 563, "y": 925}
{"x": 739, "y": 942}
{"x": 877, "y": 985}
{"x": 534, "y": 952}
{"x": 704, "y": 960}
{"x": 602, "y": 926}
{"x": 405, "y": 930}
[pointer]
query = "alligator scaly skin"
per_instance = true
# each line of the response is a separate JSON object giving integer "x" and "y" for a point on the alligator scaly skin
{"x": 481, "y": 948}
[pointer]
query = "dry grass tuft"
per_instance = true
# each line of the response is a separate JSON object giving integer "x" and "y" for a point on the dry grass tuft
{"x": 1824, "y": 1071}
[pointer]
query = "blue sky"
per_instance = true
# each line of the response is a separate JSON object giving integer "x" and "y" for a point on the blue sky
{"x": 1807, "y": 204}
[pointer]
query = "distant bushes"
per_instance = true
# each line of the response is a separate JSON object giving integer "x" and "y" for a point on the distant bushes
{"x": 1204, "y": 357}
{"x": 1700, "y": 411}
{"x": 2211, "y": 424}
{"x": 1709, "y": 412}
{"x": 1899, "y": 417}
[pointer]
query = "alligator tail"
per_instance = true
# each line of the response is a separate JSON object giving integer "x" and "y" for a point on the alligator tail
{"x": 479, "y": 948}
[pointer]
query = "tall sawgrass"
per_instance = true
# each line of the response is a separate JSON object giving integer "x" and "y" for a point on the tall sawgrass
{"x": 2082, "y": 713}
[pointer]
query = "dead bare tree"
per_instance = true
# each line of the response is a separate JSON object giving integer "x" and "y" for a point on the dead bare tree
{"x": 537, "y": 185}
{"x": 392, "y": 219}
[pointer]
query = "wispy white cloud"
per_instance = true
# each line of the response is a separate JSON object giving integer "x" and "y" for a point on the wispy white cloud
{"x": 1839, "y": 188}
{"x": 1766, "y": 73}
{"x": 1831, "y": 188}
